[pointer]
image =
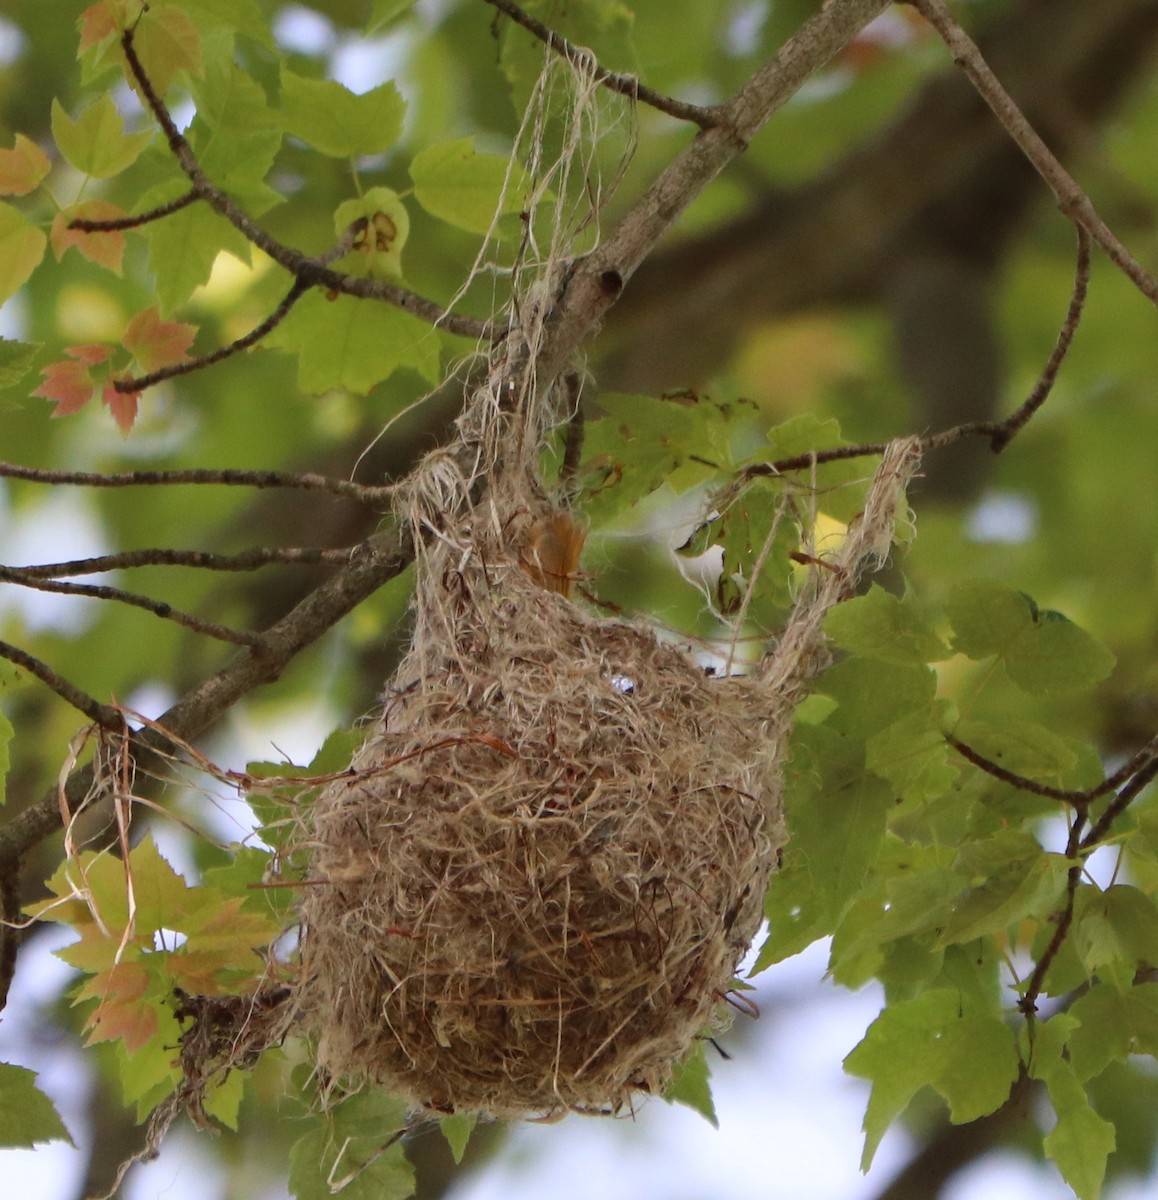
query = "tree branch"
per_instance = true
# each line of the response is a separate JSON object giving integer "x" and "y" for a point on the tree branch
{"x": 1071, "y": 198}
{"x": 309, "y": 272}
{"x": 624, "y": 85}
{"x": 140, "y": 382}
{"x": 248, "y": 560}
{"x": 119, "y": 224}
{"x": 305, "y": 481}
{"x": 597, "y": 280}
{"x": 10, "y": 935}
{"x": 99, "y": 714}
{"x": 372, "y": 564}
{"x": 158, "y": 608}
{"x": 942, "y": 176}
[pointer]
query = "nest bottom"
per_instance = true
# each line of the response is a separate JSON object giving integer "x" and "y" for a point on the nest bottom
{"x": 536, "y": 888}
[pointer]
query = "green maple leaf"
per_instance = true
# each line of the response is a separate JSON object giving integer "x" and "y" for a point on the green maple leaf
{"x": 22, "y": 248}
{"x": 27, "y": 1116}
{"x": 96, "y": 142}
{"x": 455, "y": 183}
{"x": 335, "y": 120}
{"x": 354, "y": 344}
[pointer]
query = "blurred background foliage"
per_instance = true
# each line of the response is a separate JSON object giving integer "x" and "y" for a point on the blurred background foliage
{"x": 880, "y": 256}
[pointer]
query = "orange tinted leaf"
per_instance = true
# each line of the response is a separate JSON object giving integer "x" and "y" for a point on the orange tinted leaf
{"x": 167, "y": 42}
{"x": 68, "y": 384}
{"x": 90, "y": 353}
{"x": 197, "y": 971}
{"x": 98, "y": 23}
{"x": 22, "y": 168}
{"x": 105, "y": 249}
{"x": 123, "y": 1013}
{"x": 123, "y": 406}
{"x": 156, "y": 343}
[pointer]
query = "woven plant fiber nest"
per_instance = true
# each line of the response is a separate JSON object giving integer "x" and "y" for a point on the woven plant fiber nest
{"x": 539, "y": 882}
{"x": 531, "y": 893}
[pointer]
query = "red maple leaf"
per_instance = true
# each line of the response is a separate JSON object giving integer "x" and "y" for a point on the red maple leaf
{"x": 123, "y": 406}
{"x": 90, "y": 353}
{"x": 122, "y": 1013}
{"x": 69, "y": 384}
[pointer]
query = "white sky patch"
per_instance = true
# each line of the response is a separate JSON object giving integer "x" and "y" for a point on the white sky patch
{"x": 1002, "y": 517}
{"x": 1005, "y": 1174}
{"x": 364, "y": 63}
{"x": 51, "y": 1171}
{"x": 62, "y": 526}
{"x": 12, "y": 42}
{"x": 14, "y": 317}
{"x": 889, "y": 29}
{"x": 743, "y": 33}
{"x": 304, "y": 30}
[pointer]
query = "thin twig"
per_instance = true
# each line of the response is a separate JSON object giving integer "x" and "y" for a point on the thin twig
{"x": 248, "y": 560}
{"x": 226, "y": 478}
{"x": 1071, "y": 198}
{"x": 1137, "y": 762}
{"x": 999, "y": 433}
{"x": 1012, "y": 424}
{"x": 372, "y": 564}
{"x": 1120, "y": 803}
{"x": 139, "y": 383}
{"x": 625, "y": 85}
{"x": 158, "y": 608}
{"x": 99, "y": 714}
{"x": 311, "y": 272}
{"x": 84, "y": 225}
{"x": 1077, "y": 797}
{"x": 1028, "y": 1002}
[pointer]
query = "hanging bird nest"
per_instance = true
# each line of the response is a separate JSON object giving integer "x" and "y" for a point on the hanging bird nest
{"x": 533, "y": 890}
{"x": 548, "y": 865}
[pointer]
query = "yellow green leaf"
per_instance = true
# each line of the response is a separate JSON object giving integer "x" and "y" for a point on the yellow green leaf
{"x": 456, "y": 184}
{"x": 383, "y": 225}
{"x": 96, "y": 142}
{"x": 22, "y": 247}
{"x": 337, "y": 121}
